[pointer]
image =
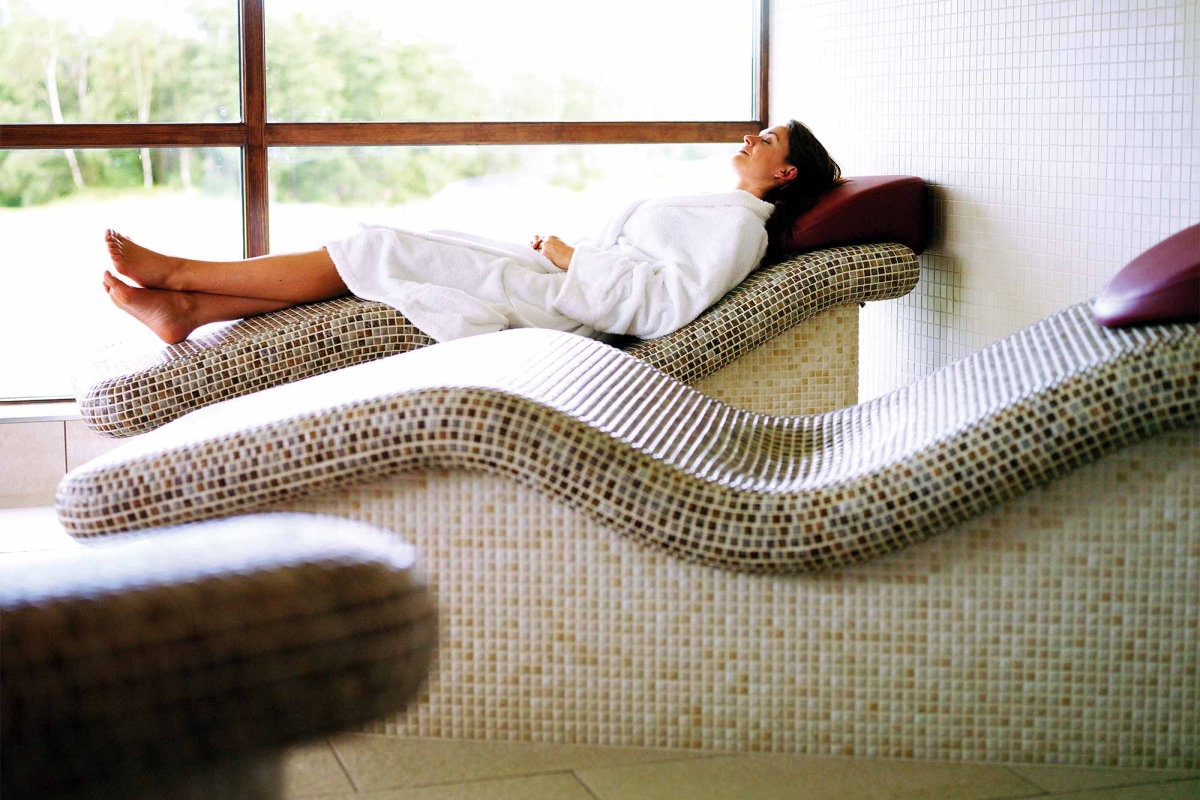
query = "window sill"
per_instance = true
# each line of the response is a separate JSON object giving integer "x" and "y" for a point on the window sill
{"x": 65, "y": 410}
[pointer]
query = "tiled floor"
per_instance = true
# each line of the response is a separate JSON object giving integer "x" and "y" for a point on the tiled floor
{"x": 391, "y": 768}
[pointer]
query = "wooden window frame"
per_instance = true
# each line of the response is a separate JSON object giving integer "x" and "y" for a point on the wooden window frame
{"x": 253, "y": 135}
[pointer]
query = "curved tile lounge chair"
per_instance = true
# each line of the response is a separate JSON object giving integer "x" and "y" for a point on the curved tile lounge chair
{"x": 659, "y": 461}
{"x": 181, "y": 665}
{"x": 133, "y": 387}
{"x": 584, "y": 609}
{"x": 557, "y": 626}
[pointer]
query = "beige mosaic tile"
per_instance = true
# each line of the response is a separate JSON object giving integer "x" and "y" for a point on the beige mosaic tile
{"x": 313, "y": 769}
{"x": 668, "y": 466}
{"x": 136, "y": 386}
{"x": 774, "y": 300}
{"x": 555, "y": 629}
{"x": 786, "y": 778}
{"x": 809, "y": 369}
{"x": 389, "y": 762}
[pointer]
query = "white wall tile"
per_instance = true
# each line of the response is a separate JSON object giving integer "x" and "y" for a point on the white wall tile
{"x": 83, "y": 444}
{"x": 32, "y": 459}
{"x": 1058, "y": 137}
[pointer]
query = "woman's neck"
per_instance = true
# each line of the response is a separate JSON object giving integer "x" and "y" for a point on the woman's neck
{"x": 755, "y": 189}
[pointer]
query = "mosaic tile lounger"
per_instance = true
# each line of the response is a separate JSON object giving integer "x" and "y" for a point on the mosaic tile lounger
{"x": 568, "y": 519}
{"x": 136, "y": 386}
{"x": 659, "y": 461}
{"x": 181, "y": 665}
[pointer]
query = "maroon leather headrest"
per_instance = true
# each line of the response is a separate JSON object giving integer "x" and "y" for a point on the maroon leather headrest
{"x": 866, "y": 210}
{"x": 1160, "y": 285}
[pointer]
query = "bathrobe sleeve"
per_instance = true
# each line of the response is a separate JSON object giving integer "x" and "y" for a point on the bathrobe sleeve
{"x": 664, "y": 262}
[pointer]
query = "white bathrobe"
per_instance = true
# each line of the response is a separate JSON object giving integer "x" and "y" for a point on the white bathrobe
{"x": 652, "y": 270}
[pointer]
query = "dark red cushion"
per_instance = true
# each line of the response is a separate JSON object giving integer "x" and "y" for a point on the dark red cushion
{"x": 866, "y": 210}
{"x": 1160, "y": 285}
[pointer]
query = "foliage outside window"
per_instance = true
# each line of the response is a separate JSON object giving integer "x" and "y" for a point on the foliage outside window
{"x": 161, "y": 71}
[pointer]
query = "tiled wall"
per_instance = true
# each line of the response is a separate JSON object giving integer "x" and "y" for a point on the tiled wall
{"x": 34, "y": 455}
{"x": 1059, "y": 139}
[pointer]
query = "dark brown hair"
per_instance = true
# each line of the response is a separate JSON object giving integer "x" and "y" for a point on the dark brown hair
{"x": 816, "y": 174}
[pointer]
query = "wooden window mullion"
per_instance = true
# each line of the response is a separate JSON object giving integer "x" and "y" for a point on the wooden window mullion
{"x": 253, "y": 135}
{"x": 761, "y": 88}
{"x": 386, "y": 134}
{"x": 254, "y": 116}
{"x": 122, "y": 135}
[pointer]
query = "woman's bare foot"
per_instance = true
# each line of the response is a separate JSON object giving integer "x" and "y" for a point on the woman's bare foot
{"x": 165, "y": 312}
{"x": 145, "y": 267}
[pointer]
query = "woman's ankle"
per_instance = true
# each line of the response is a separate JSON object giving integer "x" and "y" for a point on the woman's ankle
{"x": 181, "y": 276}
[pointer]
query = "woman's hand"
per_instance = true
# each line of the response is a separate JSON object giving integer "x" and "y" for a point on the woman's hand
{"x": 555, "y": 249}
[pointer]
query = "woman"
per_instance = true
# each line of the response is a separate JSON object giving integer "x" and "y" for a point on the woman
{"x": 656, "y": 266}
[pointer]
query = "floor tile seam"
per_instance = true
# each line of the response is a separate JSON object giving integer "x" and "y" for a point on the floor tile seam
{"x": 565, "y": 770}
{"x": 1115, "y": 786}
{"x": 1011, "y": 766}
{"x": 1084, "y": 793}
{"x": 65, "y": 549}
{"x": 345, "y": 770}
{"x": 1075, "y": 793}
{"x": 1048, "y": 793}
{"x": 685, "y": 756}
{"x": 463, "y": 782}
{"x": 586, "y": 788}
{"x": 1041, "y": 790}
{"x": 1039, "y": 793}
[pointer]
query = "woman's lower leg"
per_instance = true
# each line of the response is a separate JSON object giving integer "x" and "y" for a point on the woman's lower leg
{"x": 294, "y": 277}
{"x": 172, "y": 316}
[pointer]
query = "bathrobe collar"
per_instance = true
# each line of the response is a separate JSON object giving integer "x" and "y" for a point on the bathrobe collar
{"x": 734, "y": 198}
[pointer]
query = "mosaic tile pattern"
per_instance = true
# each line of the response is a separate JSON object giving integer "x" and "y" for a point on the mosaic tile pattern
{"x": 810, "y": 369}
{"x": 661, "y": 462}
{"x": 134, "y": 387}
{"x": 1058, "y": 628}
{"x": 127, "y": 664}
{"x": 1039, "y": 196}
{"x": 776, "y": 299}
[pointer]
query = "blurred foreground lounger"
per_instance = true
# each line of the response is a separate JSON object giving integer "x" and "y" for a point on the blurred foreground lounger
{"x": 180, "y": 663}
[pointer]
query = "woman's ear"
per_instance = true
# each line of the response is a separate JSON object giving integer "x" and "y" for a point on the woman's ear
{"x": 786, "y": 174}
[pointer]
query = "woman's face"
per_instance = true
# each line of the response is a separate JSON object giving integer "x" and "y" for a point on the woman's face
{"x": 764, "y": 156}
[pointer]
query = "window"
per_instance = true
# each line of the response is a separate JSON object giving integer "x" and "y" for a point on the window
{"x": 212, "y": 127}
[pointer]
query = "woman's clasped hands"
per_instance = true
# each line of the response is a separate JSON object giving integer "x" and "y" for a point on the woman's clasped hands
{"x": 555, "y": 249}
